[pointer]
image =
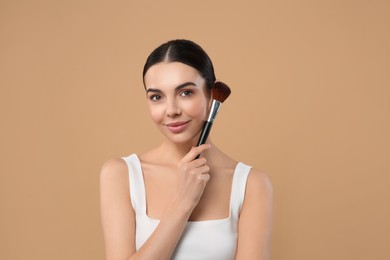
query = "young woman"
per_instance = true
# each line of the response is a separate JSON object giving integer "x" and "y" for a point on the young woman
{"x": 166, "y": 203}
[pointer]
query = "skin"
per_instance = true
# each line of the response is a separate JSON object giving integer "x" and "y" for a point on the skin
{"x": 176, "y": 93}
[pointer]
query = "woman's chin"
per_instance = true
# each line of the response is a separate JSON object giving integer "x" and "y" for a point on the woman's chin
{"x": 182, "y": 139}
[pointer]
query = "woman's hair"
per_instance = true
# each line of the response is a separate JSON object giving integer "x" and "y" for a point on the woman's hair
{"x": 186, "y": 52}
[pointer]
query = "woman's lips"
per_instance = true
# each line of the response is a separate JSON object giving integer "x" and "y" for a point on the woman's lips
{"x": 177, "y": 127}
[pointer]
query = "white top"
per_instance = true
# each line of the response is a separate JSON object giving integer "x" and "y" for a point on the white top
{"x": 209, "y": 239}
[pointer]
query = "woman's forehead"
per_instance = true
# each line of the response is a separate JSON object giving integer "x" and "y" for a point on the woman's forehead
{"x": 171, "y": 74}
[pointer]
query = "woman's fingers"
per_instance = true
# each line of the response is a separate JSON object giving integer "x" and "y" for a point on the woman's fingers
{"x": 204, "y": 173}
{"x": 198, "y": 163}
{"x": 204, "y": 177}
{"x": 194, "y": 152}
{"x": 193, "y": 176}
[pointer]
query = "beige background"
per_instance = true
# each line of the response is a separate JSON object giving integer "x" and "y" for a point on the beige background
{"x": 310, "y": 105}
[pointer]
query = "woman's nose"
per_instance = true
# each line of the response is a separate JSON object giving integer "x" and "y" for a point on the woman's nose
{"x": 173, "y": 110}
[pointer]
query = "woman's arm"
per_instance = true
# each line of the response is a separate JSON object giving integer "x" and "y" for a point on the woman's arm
{"x": 117, "y": 214}
{"x": 255, "y": 222}
{"x": 118, "y": 217}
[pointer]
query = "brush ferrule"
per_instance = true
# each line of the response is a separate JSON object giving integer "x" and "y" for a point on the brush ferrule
{"x": 215, "y": 106}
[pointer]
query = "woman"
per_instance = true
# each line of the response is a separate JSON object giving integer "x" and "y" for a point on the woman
{"x": 177, "y": 206}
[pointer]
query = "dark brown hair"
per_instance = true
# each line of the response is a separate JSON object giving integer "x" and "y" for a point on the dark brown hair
{"x": 186, "y": 52}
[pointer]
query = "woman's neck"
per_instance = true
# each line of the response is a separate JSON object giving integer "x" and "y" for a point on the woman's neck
{"x": 172, "y": 153}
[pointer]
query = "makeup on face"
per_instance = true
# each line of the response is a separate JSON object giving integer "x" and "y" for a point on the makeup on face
{"x": 178, "y": 127}
{"x": 178, "y": 100}
{"x": 183, "y": 90}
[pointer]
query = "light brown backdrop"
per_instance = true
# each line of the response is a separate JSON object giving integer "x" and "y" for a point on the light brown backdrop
{"x": 310, "y": 105}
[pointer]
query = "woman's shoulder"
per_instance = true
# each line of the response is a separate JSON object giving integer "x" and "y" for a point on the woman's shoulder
{"x": 114, "y": 170}
{"x": 259, "y": 184}
{"x": 257, "y": 180}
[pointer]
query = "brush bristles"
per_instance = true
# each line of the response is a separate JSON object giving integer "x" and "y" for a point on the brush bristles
{"x": 220, "y": 91}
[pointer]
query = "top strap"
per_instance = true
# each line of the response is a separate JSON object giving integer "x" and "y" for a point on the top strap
{"x": 238, "y": 189}
{"x": 136, "y": 182}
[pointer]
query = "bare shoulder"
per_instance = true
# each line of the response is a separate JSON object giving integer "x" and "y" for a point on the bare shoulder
{"x": 117, "y": 215}
{"x": 114, "y": 170}
{"x": 255, "y": 222}
{"x": 259, "y": 185}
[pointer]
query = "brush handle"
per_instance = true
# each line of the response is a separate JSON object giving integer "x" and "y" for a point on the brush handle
{"x": 204, "y": 134}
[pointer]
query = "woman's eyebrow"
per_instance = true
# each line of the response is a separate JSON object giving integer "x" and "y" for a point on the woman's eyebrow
{"x": 153, "y": 90}
{"x": 185, "y": 85}
{"x": 176, "y": 89}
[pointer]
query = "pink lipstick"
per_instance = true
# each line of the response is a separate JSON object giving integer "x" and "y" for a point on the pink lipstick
{"x": 177, "y": 127}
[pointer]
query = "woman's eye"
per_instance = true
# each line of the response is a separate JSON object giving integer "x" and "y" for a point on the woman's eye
{"x": 186, "y": 93}
{"x": 155, "y": 97}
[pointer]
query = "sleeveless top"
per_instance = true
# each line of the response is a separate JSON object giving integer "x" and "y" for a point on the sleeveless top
{"x": 208, "y": 239}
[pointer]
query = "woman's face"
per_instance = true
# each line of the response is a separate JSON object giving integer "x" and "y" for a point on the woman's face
{"x": 178, "y": 100}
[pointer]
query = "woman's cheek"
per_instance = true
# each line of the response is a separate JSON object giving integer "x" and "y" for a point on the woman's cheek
{"x": 197, "y": 109}
{"x": 155, "y": 114}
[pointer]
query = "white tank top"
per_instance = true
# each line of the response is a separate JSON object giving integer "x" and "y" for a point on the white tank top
{"x": 209, "y": 239}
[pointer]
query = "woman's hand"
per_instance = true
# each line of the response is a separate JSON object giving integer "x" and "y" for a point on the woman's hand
{"x": 193, "y": 175}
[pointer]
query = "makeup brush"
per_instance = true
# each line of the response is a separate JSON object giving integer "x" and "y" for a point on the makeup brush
{"x": 220, "y": 92}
